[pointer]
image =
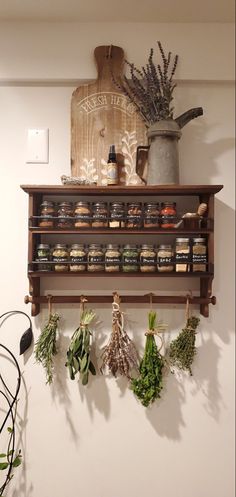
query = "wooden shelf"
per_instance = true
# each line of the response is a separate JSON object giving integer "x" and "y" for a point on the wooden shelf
{"x": 37, "y": 193}
{"x": 122, "y": 190}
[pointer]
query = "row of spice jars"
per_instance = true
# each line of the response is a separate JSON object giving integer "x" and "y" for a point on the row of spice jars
{"x": 100, "y": 215}
{"x": 129, "y": 258}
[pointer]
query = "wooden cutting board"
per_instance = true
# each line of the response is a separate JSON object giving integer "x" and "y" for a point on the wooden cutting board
{"x": 101, "y": 116}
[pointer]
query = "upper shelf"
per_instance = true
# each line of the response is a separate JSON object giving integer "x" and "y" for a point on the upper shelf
{"x": 122, "y": 190}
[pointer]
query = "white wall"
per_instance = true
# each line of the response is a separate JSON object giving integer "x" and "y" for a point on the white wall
{"x": 98, "y": 441}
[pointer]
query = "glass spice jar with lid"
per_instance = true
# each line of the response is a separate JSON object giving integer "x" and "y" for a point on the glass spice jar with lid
{"x": 95, "y": 258}
{"x": 43, "y": 257}
{"x": 117, "y": 215}
{"x": 199, "y": 255}
{"x": 99, "y": 215}
{"x": 47, "y": 214}
{"x": 78, "y": 258}
{"x": 168, "y": 215}
{"x": 134, "y": 215}
{"x": 148, "y": 259}
{"x": 60, "y": 256}
{"x": 65, "y": 215}
{"x": 112, "y": 258}
{"x": 182, "y": 255}
{"x": 165, "y": 259}
{"x": 82, "y": 214}
{"x": 130, "y": 258}
{"x": 151, "y": 215}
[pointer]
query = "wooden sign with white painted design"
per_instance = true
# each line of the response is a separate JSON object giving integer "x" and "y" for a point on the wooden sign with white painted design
{"x": 102, "y": 116}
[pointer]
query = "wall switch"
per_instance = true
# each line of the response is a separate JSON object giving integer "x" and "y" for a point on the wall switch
{"x": 37, "y": 146}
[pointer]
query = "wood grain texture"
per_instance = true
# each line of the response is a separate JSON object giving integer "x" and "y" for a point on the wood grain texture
{"x": 100, "y": 116}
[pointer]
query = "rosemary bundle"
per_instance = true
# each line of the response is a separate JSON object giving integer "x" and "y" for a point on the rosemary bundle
{"x": 45, "y": 347}
{"x": 182, "y": 349}
{"x": 119, "y": 355}
{"x": 148, "y": 385}
{"x": 78, "y": 354}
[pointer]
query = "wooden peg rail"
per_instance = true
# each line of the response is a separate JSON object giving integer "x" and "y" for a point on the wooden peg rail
{"x": 127, "y": 299}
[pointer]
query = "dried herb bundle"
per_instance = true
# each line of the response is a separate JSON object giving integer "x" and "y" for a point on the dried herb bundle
{"x": 119, "y": 355}
{"x": 151, "y": 88}
{"x": 182, "y": 349}
{"x": 148, "y": 385}
{"x": 45, "y": 347}
{"x": 78, "y": 354}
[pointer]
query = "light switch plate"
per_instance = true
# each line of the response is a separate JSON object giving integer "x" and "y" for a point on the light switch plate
{"x": 37, "y": 146}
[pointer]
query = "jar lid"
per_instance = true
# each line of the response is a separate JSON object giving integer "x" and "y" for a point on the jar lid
{"x": 47, "y": 203}
{"x": 138, "y": 204}
{"x": 117, "y": 204}
{"x": 131, "y": 246}
{"x": 112, "y": 246}
{"x": 165, "y": 204}
{"x": 77, "y": 246}
{"x": 60, "y": 245}
{"x": 163, "y": 247}
{"x": 43, "y": 246}
{"x": 61, "y": 204}
{"x": 147, "y": 246}
{"x": 199, "y": 240}
{"x": 81, "y": 202}
{"x": 99, "y": 204}
{"x": 151, "y": 204}
{"x": 95, "y": 246}
{"x": 182, "y": 240}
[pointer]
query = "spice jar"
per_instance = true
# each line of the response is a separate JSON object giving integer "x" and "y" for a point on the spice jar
{"x": 47, "y": 213}
{"x": 95, "y": 258}
{"x": 100, "y": 215}
{"x": 168, "y": 214}
{"x": 147, "y": 259}
{"x": 65, "y": 215}
{"x": 199, "y": 255}
{"x": 82, "y": 215}
{"x": 112, "y": 258}
{"x": 165, "y": 259}
{"x": 43, "y": 256}
{"x": 130, "y": 258}
{"x": 134, "y": 215}
{"x": 117, "y": 215}
{"x": 182, "y": 255}
{"x": 60, "y": 256}
{"x": 78, "y": 258}
{"x": 150, "y": 217}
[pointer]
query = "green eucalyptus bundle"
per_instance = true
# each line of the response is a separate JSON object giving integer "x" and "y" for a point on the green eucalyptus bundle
{"x": 147, "y": 387}
{"x": 78, "y": 354}
{"x": 183, "y": 350}
{"x": 45, "y": 347}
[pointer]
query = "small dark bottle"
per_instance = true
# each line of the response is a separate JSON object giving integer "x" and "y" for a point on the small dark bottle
{"x": 112, "y": 167}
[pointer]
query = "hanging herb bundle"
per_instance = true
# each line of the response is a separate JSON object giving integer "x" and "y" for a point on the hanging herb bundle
{"x": 78, "y": 354}
{"x": 182, "y": 349}
{"x": 45, "y": 347}
{"x": 148, "y": 385}
{"x": 119, "y": 355}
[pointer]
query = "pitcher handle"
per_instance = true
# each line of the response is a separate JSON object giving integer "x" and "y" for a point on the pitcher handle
{"x": 140, "y": 147}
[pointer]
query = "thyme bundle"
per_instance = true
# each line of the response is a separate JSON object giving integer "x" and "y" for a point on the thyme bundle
{"x": 78, "y": 354}
{"x": 182, "y": 349}
{"x": 45, "y": 347}
{"x": 119, "y": 355}
{"x": 147, "y": 387}
{"x": 151, "y": 88}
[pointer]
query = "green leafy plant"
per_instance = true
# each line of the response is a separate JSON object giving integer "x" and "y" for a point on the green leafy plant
{"x": 45, "y": 347}
{"x": 147, "y": 387}
{"x": 78, "y": 354}
{"x": 183, "y": 350}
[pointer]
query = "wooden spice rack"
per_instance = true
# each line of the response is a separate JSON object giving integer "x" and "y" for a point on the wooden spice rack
{"x": 204, "y": 193}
